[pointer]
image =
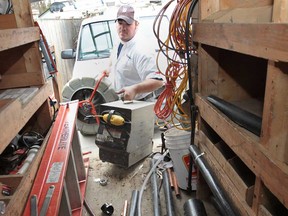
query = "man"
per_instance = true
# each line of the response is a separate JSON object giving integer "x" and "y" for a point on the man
{"x": 132, "y": 63}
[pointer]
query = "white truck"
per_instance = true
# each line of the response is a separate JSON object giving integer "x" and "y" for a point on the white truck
{"x": 96, "y": 39}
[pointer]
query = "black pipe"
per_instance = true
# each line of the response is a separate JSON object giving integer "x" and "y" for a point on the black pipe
{"x": 194, "y": 207}
{"x": 168, "y": 195}
{"x": 133, "y": 203}
{"x": 210, "y": 180}
{"x": 217, "y": 205}
{"x": 155, "y": 192}
{"x": 241, "y": 117}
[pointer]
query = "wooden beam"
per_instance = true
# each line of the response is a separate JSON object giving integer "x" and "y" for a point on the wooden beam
{"x": 275, "y": 115}
{"x": 261, "y": 40}
{"x": 11, "y": 38}
{"x": 280, "y": 9}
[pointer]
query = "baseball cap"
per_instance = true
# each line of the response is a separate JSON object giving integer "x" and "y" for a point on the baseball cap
{"x": 126, "y": 13}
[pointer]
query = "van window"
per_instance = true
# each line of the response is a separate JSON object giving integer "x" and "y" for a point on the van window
{"x": 96, "y": 40}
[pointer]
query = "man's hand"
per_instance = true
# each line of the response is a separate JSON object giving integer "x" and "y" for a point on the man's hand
{"x": 128, "y": 93}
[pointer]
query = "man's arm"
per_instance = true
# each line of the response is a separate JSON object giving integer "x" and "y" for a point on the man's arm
{"x": 148, "y": 85}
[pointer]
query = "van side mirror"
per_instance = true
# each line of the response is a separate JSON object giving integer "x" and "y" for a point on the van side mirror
{"x": 68, "y": 54}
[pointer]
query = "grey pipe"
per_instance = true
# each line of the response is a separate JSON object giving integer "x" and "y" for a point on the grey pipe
{"x": 155, "y": 192}
{"x": 30, "y": 157}
{"x": 210, "y": 180}
{"x": 168, "y": 195}
{"x": 133, "y": 203}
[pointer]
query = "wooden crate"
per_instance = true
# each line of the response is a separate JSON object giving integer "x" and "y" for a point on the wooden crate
{"x": 25, "y": 92}
{"x": 243, "y": 59}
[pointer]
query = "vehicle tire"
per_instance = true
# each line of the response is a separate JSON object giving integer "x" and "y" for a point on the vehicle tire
{"x": 81, "y": 89}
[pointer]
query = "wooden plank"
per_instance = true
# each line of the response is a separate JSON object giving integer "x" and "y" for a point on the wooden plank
{"x": 263, "y": 211}
{"x": 242, "y": 15}
{"x": 209, "y": 67}
{"x": 23, "y": 13}
{"x": 246, "y": 145}
{"x": 21, "y": 80}
{"x": 19, "y": 199}
{"x": 225, "y": 182}
{"x": 280, "y": 8}
{"x": 15, "y": 116}
{"x": 275, "y": 115}
{"x": 258, "y": 194}
{"x": 7, "y": 21}
{"x": 18, "y": 36}
{"x": 208, "y": 7}
{"x": 268, "y": 41}
{"x": 224, "y": 4}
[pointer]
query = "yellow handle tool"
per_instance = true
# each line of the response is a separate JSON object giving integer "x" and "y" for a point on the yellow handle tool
{"x": 113, "y": 119}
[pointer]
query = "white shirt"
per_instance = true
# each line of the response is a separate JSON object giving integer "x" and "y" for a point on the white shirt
{"x": 136, "y": 62}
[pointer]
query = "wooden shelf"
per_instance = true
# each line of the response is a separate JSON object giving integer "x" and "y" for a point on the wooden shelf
{"x": 24, "y": 96}
{"x": 18, "y": 37}
{"x": 16, "y": 112}
{"x": 243, "y": 60}
{"x": 246, "y": 145}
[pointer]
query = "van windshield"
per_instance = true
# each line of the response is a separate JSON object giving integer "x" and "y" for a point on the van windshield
{"x": 97, "y": 39}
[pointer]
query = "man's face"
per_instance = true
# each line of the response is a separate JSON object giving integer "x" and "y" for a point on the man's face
{"x": 125, "y": 31}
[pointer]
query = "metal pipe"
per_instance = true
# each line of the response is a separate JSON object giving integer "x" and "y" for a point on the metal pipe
{"x": 133, "y": 203}
{"x": 175, "y": 183}
{"x": 217, "y": 205}
{"x": 194, "y": 207}
{"x": 31, "y": 155}
{"x": 168, "y": 195}
{"x": 210, "y": 180}
{"x": 155, "y": 192}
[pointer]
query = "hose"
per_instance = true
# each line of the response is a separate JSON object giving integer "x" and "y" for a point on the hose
{"x": 146, "y": 181}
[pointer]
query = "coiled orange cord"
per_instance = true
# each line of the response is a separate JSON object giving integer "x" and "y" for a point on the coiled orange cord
{"x": 169, "y": 103}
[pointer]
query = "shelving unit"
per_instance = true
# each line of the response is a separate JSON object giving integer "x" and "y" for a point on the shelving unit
{"x": 243, "y": 59}
{"x": 24, "y": 103}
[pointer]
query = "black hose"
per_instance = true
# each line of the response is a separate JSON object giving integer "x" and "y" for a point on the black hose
{"x": 155, "y": 192}
{"x": 168, "y": 195}
{"x": 210, "y": 180}
{"x": 194, "y": 207}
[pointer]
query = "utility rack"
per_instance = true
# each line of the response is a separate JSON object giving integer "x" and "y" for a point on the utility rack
{"x": 24, "y": 94}
{"x": 243, "y": 59}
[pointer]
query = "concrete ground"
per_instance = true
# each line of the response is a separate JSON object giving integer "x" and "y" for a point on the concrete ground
{"x": 122, "y": 181}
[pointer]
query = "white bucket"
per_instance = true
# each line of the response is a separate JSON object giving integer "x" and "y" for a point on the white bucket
{"x": 177, "y": 141}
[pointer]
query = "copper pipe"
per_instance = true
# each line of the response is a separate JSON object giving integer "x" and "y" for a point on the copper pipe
{"x": 170, "y": 177}
{"x": 124, "y": 213}
{"x": 175, "y": 182}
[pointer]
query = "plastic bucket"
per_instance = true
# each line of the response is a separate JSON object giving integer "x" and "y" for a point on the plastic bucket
{"x": 177, "y": 141}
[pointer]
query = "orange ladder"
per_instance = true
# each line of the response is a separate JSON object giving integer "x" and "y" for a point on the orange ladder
{"x": 60, "y": 183}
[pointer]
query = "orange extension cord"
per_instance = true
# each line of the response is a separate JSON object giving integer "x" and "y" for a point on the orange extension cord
{"x": 169, "y": 103}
